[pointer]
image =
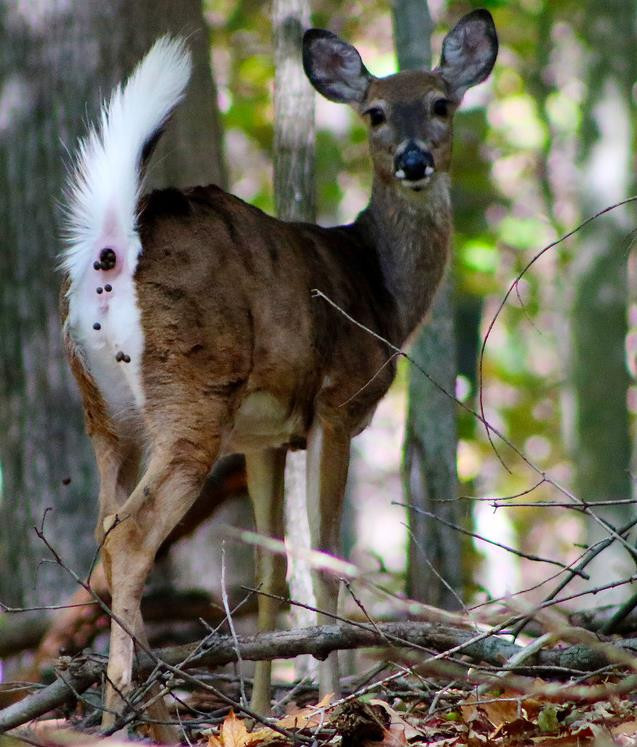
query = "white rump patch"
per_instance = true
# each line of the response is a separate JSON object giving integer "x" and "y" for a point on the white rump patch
{"x": 102, "y": 198}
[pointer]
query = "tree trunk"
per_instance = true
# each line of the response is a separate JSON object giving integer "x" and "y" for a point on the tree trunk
{"x": 430, "y": 438}
{"x": 294, "y": 200}
{"x": 57, "y": 60}
{"x": 600, "y": 379}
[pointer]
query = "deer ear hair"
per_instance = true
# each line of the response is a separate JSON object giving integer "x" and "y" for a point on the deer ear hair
{"x": 468, "y": 52}
{"x": 334, "y": 67}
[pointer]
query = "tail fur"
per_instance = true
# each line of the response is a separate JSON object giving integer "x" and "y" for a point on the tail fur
{"x": 106, "y": 181}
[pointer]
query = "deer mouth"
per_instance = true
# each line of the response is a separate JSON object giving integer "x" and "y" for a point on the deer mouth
{"x": 415, "y": 184}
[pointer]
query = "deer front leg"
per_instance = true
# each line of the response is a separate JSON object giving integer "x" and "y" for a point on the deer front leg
{"x": 327, "y": 465}
{"x": 265, "y": 472}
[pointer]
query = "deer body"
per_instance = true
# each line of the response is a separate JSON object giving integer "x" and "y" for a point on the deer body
{"x": 192, "y": 330}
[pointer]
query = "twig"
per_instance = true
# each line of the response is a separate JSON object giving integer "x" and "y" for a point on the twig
{"x": 624, "y": 610}
{"x": 587, "y": 558}
{"x": 480, "y": 416}
{"x": 233, "y": 632}
{"x": 462, "y": 530}
{"x": 502, "y": 304}
{"x": 435, "y": 572}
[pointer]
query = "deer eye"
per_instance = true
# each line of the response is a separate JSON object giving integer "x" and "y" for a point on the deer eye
{"x": 376, "y": 116}
{"x": 441, "y": 107}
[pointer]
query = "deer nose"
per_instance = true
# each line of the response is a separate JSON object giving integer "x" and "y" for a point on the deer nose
{"x": 413, "y": 163}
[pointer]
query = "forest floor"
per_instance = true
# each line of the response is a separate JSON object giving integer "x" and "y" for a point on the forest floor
{"x": 413, "y": 711}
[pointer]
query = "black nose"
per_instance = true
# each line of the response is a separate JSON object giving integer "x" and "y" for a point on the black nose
{"x": 413, "y": 162}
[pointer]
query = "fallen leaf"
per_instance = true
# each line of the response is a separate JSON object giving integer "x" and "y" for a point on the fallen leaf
{"x": 547, "y": 719}
{"x": 234, "y": 732}
{"x": 397, "y": 720}
{"x": 628, "y": 728}
{"x": 307, "y": 717}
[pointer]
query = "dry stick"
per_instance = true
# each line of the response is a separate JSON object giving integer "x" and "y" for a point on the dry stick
{"x": 496, "y": 503}
{"x": 319, "y": 640}
{"x": 512, "y": 550}
{"x": 233, "y": 632}
{"x": 624, "y": 610}
{"x": 434, "y": 570}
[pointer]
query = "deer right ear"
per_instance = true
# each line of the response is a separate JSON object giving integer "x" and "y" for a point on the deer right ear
{"x": 334, "y": 67}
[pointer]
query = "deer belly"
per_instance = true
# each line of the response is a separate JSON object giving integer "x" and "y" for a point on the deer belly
{"x": 262, "y": 421}
{"x": 107, "y": 328}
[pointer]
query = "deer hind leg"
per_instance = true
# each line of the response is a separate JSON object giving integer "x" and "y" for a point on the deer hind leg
{"x": 265, "y": 472}
{"x": 171, "y": 483}
{"x": 327, "y": 465}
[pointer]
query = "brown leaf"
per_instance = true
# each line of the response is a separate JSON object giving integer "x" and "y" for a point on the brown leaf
{"x": 397, "y": 721}
{"x": 628, "y": 728}
{"x": 234, "y": 732}
{"x": 308, "y": 717}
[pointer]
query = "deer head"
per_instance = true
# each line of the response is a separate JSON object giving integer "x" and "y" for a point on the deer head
{"x": 409, "y": 115}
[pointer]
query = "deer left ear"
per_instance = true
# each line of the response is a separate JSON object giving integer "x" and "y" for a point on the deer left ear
{"x": 468, "y": 52}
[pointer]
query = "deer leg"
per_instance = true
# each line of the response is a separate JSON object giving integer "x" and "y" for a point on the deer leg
{"x": 265, "y": 472}
{"x": 327, "y": 464}
{"x": 118, "y": 467}
{"x": 168, "y": 488}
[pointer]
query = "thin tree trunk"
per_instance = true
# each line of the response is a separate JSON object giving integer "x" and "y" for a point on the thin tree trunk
{"x": 430, "y": 438}
{"x": 602, "y": 448}
{"x": 57, "y": 60}
{"x": 294, "y": 200}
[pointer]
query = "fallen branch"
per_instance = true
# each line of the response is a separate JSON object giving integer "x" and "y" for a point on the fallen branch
{"x": 78, "y": 675}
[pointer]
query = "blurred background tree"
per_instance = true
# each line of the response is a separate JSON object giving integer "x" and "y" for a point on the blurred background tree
{"x": 57, "y": 60}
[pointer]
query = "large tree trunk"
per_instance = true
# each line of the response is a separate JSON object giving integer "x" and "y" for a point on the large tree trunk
{"x": 57, "y": 60}
{"x": 430, "y": 437}
{"x": 602, "y": 449}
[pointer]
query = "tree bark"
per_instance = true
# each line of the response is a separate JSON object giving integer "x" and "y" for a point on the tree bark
{"x": 429, "y": 466}
{"x": 57, "y": 60}
{"x": 294, "y": 198}
{"x": 602, "y": 448}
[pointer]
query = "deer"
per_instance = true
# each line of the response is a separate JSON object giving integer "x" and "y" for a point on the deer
{"x": 193, "y": 329}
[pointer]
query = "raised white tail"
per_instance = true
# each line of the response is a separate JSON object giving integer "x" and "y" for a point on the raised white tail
{"x": 103, "y": 245}
{"x": 106, "y": 181}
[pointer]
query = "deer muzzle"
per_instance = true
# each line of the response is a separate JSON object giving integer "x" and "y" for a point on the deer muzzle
{"x": 413, "y": 165}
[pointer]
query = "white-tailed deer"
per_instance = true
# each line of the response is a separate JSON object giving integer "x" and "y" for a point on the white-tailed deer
{"x": 192, "y": 330}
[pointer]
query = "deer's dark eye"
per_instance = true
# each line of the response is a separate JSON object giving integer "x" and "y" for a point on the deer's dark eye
{"x": 376, "y": 116}
{"x": 441, "y": 107}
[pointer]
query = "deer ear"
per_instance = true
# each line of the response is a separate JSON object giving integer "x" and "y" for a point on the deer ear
{"x": 334, "y": 67}
{"x": 468, "y": 52}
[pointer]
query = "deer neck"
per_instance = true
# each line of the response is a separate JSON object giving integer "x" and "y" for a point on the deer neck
{"x": 410, "y": 233}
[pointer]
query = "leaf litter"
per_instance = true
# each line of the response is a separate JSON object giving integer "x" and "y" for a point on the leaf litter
{"x": 460, "y": 717}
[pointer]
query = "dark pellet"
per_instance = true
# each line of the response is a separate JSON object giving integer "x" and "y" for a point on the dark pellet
{"x": 108, "y": 287}
{"x": 97, "y": 325}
